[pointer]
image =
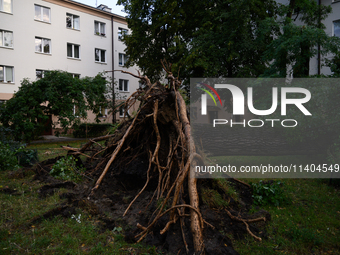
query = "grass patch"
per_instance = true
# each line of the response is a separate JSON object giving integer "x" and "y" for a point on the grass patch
{"x": 52, "y": 150}
{"x": 58, "y": 235}
{"x": 307, "y": 223}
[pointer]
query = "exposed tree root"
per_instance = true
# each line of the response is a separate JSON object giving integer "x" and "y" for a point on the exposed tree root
{"x": 159, "y": 135}
{"x": 245, "y": 222}
{"x": 167, "y": 108}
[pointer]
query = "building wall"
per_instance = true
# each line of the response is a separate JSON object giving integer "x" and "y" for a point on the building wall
{"x": 25, "y": 28}
{"x": 328, "y": 22}
{"x": 335, "y": 15}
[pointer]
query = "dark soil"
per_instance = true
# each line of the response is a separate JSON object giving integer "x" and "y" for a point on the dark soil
{"x": 119, "y": 188}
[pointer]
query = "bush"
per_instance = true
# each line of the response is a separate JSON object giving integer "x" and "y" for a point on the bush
{"x": 66, "y": 169}
{"x": 8, "y": 159}
{"x": 268, "y": 193}
{"x": 6, "y": 137}
{"x": 93, "y": 130}
{"x": 12, "y": 153}
{"x": 27, "y": 157}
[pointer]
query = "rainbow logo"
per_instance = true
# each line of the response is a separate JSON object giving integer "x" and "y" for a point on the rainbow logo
{"x": 208, "y": 92}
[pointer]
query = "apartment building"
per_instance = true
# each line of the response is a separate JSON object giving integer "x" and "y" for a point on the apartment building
{"x": 42, "y": 35}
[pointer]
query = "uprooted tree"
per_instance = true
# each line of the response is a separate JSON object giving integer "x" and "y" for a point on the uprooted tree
{"x": 160, "y": 132}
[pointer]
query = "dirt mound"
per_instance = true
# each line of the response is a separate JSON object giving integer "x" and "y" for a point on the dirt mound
{"x": 116, "y": 192}
{"x": 143, "y": 181}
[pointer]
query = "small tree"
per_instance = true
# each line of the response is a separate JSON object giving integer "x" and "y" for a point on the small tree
{"x": 59, "y": 94}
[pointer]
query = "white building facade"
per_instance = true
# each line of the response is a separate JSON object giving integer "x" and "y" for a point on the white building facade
{"x": 42, "y": 35}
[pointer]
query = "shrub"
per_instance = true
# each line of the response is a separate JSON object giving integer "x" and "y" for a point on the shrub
{"x": 66, "y": 169}
{"x": 12, "y": 153}
{"x": 268, "y": 193}
{"x": 6, "y": 137}
{"x": 27, "y": 157}
{"x": 8, "y": 159}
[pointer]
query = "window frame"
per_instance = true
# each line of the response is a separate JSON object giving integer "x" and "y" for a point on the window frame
{"x": 123, "y": 85}
{"x": 124, "y": 59}
{"x": 121, "y": 33}
{"x": 4, "y": 74}
{"x": 100, "y": 56}
{"x": 42, "y": 73}
{"x": 100, "y": 26}
{"x": 73, "y": 51}
{"x": 43, "y": 45}
{"x": 42, "y": 13}
{"x": 72, "y": 21}
{"x": 333, "y": 27}
{"x": 2, "y": 35}
{"x": 75, "y": 75}
{"x": 122, "y": 113}
{"x": 2, "y": 6}
{"x": 105, "y": 111}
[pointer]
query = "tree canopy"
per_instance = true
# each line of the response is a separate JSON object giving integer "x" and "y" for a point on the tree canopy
{"x": 59, "y": 94}
{"x": 233, "y": 38}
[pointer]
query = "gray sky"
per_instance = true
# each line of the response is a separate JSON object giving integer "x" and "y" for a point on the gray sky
{"x": 116, "y": 9}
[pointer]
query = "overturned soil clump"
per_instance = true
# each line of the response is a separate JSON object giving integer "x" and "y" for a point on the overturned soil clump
{"x": 140, "y": 179}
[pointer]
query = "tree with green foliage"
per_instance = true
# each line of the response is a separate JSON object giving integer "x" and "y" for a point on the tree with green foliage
{"x": 200, "y": 39}
{"x": 58, "y": 94}
{"x": 234, "y": 38}
{"x": 160, "y": 30}
{"x": 294, "y": 45}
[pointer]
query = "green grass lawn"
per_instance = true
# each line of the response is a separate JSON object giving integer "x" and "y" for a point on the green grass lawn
{"x": 52, "y": 150}
{"x": 308, "y": 224}
{"x": 58, "y": 235}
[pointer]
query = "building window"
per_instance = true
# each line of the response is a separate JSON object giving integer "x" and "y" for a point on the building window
{"x": 6, "y": 38}
{"x": 123, "y": 85}
{"x": 102, "y": 112}
{"x": 42, "y": 13}
{"x": 122, "y": 112}
{"x": 99, "y": 28}
{"x": 73, "y": 51}
{"x": 7, "y": 74}
{"x": 6, "y": 6}
{"x": 121, "y": 33}
{"x": 212, "y": 115}
{"x": 99, "y": 55}
{"x": 40, "y": 73}
{"x": 122, "y": 59}
{"x": 336, "y": 28}
{"x": 42, "y": 45}
{"x": 75, "y": 75}
{"x": 72, "y": 21}
{"x": 76, "y": 110}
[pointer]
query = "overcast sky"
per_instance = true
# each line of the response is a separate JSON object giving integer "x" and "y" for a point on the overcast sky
{"x": 116, "y": 9}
